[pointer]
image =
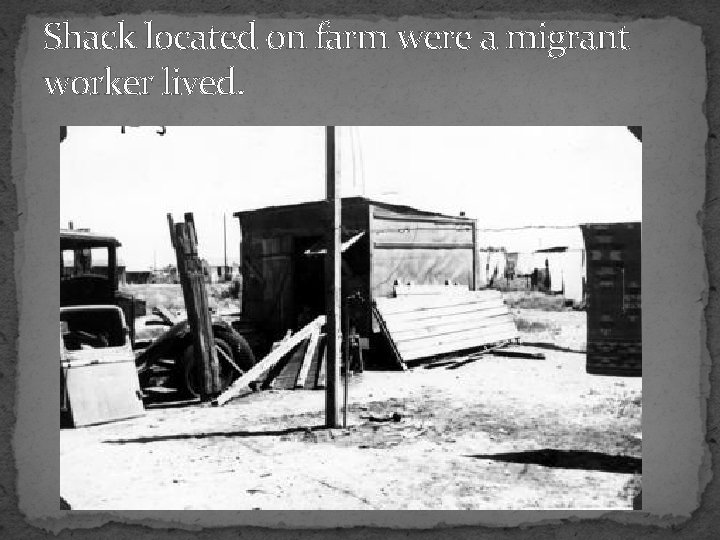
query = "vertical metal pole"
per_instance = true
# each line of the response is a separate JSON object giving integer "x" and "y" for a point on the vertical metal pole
{"x": 224, "y": 272}
{"x": 346, "y": 356}
{"x": 332, "y": 282}
{"x": 473, "y": 281}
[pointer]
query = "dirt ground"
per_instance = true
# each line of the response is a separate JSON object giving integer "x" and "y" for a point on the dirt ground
{"x": 497, "y": 433}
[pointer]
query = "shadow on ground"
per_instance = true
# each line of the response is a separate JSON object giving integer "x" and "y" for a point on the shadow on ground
{"x": 211, "y": 434}
{"x": 570, "y": 459}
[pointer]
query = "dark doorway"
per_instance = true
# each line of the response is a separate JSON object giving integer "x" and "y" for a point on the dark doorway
{"x": 309, "y": 280}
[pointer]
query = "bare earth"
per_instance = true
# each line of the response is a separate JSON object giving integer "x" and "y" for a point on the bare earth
{"x": 269, "y": 450}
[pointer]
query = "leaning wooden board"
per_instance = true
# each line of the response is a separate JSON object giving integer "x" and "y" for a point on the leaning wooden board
{"x": 424, "y": 326}
{"x": 103, "y": 392}
{"x": 286, "y": 346}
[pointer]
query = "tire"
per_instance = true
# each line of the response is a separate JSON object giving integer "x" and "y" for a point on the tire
{"x": 242, "y": 354}
{"x": 230, "y": 344}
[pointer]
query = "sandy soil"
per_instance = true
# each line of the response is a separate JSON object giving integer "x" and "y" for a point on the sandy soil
{"x": 269, "y": 450}
{"x": 562, "y": 329}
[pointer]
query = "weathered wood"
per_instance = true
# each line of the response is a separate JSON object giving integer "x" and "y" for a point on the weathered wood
{"x": 504, "y": 327}
{"x": 446, "y": 347}
{"x": 165, "y": 315}
{"x": 184, "y": 240}
{"x": 469, "y": 338}
{"x": 103, "y": 392}
{"x": 423, "y": 326}
{"x": 383, "y": 328}
{"x": 307, "y": 359}
{"x": 289, "y": 368}
{"x": 269, "y": 361}
{"x": 519, "y": 354}
{"x": 432, "y": 322}
{"x": 449, "y": 329}
{"x": 415, "y": 308}
{"x": 311, "y": 382}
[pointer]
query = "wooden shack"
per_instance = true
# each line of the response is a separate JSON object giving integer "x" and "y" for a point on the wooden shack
{"x": 614, "y": 314}
{"x": 282, "y": 251}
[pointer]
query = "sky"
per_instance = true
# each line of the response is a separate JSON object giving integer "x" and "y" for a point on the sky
{"x": 504, "y": 177}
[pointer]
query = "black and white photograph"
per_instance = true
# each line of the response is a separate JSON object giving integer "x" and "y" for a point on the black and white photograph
{"x": 350, "y": 317}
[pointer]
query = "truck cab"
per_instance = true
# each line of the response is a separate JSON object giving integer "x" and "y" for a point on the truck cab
{"x": 89, "y": 274}
{"x": 98, "y": 377}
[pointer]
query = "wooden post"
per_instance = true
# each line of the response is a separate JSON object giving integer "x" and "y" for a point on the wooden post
{"x": 190, "y": 272}
{"x": 332, "y": 282}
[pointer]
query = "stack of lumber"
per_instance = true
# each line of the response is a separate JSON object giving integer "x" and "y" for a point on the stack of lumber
{"x": 301, "y": 368}
{"x": 295, "y": 362}
{"x": 440, "y": 320}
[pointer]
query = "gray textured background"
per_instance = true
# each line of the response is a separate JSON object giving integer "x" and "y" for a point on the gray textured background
{"x": 409, "y": 104}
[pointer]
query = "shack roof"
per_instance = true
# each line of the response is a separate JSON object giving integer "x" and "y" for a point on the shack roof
{"x": 71, "y": 238}
{"x": 349, "y": 202}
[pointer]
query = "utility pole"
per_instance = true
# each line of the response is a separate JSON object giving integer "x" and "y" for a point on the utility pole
{"x": 224, "y": 272}
{"x": 332, "y": 280}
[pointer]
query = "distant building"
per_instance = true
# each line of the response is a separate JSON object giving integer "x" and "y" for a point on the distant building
{"x": 534, "y": 258}
{"x": 137, "y": 277}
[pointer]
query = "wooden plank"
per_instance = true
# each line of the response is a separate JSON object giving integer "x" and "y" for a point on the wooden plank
{"x": 406, "y": 303}
{"x": 444, "y": 345}
{"x": 165, "y": 315}
{"x": 514, "y": 353}
{"x": 384, "y": 329}
{"x": 455, "y": 348}
{"x": 311, "y": 381}
{"x": 269, "y": 361}
{"x": 285, "y": 379}
{"x": 103, "y": 392}
{"x": 476, "y": 334}
{"x": 400, "y": 324}
{"x": 420, "y": 326}
{"x": 417, "y": 310}
{"x": 457, "y": 328}
{"x": 310, "y": 352}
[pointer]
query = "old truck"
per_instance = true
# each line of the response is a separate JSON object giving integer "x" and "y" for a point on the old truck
{"x": 98, "y": 321}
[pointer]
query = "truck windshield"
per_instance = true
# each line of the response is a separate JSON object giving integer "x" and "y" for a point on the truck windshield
{"x": 85, "y": 261}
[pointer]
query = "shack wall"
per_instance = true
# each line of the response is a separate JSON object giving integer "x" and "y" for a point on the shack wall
{"x": 273, "y": 242}
{"x": 422, "y": 249}
{"x": 399, "y": 243}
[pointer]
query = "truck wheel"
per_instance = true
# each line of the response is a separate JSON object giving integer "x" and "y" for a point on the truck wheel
{"x": 242, "y": 354}
{"x": 229, "y": 346}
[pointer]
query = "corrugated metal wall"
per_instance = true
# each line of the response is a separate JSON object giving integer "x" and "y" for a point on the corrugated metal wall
{"x": 420, "y": 249}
